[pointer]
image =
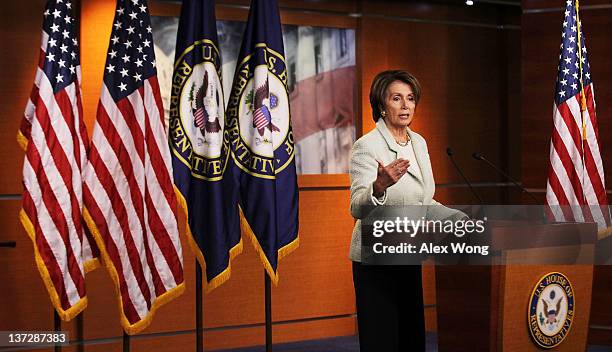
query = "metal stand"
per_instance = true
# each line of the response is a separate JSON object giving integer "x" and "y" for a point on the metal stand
{"x": 126, "y": 342}
{"x": 268, "y": 307}
{"x": 199, "y": 306}
{"x": 57, "y": 327}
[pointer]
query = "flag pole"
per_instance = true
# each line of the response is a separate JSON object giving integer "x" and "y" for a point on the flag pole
{"x": 126, "y": 342}
{"x": 79, "y": 327}
{"x": 79, "y": 331}
{"x": 199, "y": 306}
{"x": 582, "y": 95}
{"x": 57, "y": 327}
{"x": 268, "y": 307}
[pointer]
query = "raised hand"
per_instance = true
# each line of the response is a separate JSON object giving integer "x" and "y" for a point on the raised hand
{"x": 388, "y": 175}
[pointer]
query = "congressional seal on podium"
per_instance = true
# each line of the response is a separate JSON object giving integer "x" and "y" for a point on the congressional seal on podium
{"x": 551, "y": 310}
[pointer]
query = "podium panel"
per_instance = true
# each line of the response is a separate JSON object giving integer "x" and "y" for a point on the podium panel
{"x": 519, "y": 281}
{"x": 486, "y": 308}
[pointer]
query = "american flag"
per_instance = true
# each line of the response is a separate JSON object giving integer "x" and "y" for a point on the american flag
{"x": 576, "y": 175}
{"x": 54, "y": 138}
{"x": 129, "y": 197}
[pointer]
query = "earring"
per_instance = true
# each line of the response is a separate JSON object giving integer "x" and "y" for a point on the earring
{"x": 383, "y": 114}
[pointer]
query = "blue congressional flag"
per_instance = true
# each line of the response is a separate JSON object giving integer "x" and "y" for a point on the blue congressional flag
{"x": 258, "y": 126}
{"x": 199, "y": 151}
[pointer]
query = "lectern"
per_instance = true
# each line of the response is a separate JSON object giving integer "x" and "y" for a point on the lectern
{"x": 485, "y": 308}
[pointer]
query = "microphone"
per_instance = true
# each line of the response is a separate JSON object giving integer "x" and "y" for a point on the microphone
{"x": 449, "y": 152}
{"x": 481, "y": 157}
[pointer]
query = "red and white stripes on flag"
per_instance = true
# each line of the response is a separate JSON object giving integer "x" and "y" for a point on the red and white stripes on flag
{"x": 259, "y": 119}
{"x": 199, "y": 117}
{"x": 129, "y": 197}
{"x": 576, "y": 177}
{"x": 576, "y": 184}
{"x": 54, "y": 138}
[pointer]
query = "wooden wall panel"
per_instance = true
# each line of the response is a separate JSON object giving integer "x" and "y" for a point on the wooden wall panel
{"x": 223, "y": 339}
{"x": 96, "y": 24}
{"x": 24, "y": 304}
{"x": 511, "y": 107}
{"x": 328, "y": 5}
{"x": 435, "y": 11}
{"x": 20, "y": 32}
{"x": 290, "y": 12}
{"x": 315, "y": 329}
{"x": 601, "y": 317}
{"x": 373, "y": 49}
{"x": 318, "y": 274}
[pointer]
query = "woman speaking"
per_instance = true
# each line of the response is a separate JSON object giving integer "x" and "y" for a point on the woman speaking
{"x": 390, "y": 166}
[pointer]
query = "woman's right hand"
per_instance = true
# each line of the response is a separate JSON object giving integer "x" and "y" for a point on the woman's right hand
{"x": 388, "y": 175}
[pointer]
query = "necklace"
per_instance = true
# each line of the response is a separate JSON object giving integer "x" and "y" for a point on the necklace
{"x": 403, "y": 144}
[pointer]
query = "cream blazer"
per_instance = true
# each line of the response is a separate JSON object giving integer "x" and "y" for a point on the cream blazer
{"x": 411, "y": 189}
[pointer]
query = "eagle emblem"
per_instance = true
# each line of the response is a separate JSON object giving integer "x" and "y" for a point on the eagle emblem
{"x": 259, "y": 119}
{"x": 262, "y": 102}
{"x": 205, "y": 108}
{"x": 550, "y": 315}
{"x": 551, "y": 310}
